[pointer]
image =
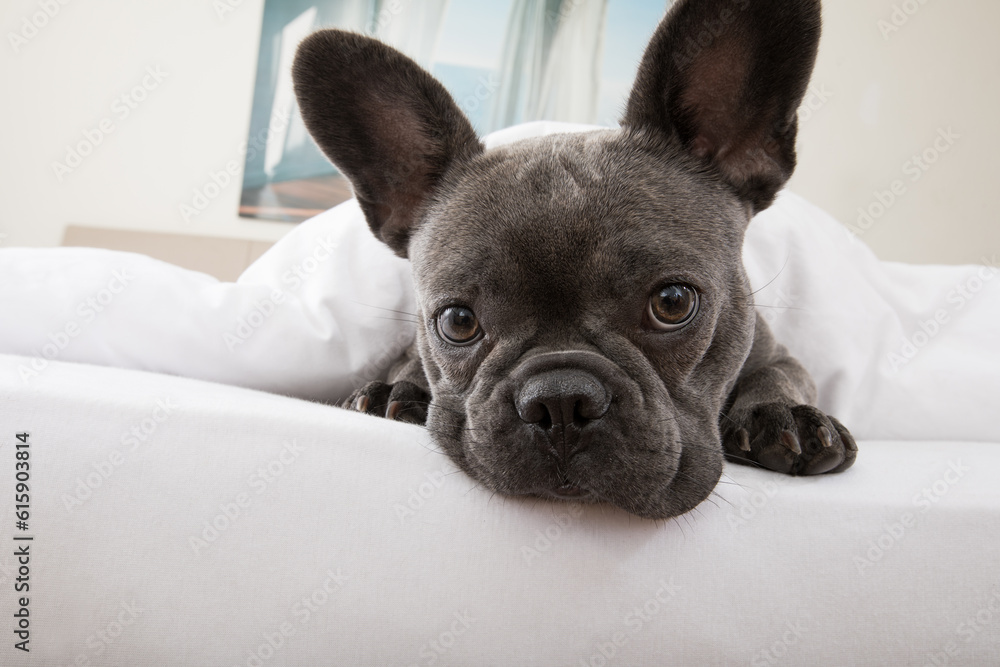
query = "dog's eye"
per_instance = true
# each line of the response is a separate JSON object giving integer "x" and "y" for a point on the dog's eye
{"x": 458, "y": 325}
{"x": 672, "y": 306}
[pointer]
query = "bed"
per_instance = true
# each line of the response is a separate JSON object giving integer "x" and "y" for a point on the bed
{"x": 195, "y": 499}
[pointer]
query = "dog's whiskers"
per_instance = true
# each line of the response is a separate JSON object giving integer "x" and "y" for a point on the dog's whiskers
{"x": 391, "y": 310}
{"x": 780, "y": 271}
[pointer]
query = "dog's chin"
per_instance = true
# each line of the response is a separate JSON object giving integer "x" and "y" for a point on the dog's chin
{"x": 672, "y": 496}
{"x": 571, "y": 492}
{"x": 675, "y": 490}
{"x": 646, "y": 478}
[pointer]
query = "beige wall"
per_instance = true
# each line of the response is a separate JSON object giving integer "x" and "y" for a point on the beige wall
{"x": 66, "y": 79}
{"x": 891, "y": 96}
{"x": 887, "y": 100}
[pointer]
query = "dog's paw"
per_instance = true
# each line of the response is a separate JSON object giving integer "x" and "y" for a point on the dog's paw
{"x": 798, "y": 440}
{"x": 401, "y": 401}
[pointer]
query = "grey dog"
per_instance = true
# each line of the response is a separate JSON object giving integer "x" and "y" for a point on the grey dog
{"x": 586, "y": 329}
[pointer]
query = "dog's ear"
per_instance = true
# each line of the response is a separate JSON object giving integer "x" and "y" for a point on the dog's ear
{"x": 723, "y": 79}
{"x": 387, "y": 124}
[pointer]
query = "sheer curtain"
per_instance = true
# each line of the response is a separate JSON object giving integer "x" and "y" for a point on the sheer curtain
{"x": 550, "y": 67}
{"x": 413, "y": 27}
{"x": 571, "y": 82}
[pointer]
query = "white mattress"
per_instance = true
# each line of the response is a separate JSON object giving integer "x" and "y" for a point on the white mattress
{"x": 351, "y": 541}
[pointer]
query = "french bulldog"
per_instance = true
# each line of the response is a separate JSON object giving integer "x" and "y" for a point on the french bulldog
{"x": 585, "y": 326}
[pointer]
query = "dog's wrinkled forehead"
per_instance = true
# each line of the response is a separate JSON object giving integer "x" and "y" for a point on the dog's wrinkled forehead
{"x": 577, "y": 213}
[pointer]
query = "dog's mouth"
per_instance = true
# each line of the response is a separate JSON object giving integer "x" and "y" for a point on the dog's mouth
{"x": 569, "y": 491}
{"x": 571, "y": 426}
{"x": 564, "y": 488}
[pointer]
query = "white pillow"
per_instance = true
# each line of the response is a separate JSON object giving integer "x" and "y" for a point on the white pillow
{"x": 898, "y": 351}
{"x": 322, "y": 313}
{"x": 313, "y": 317}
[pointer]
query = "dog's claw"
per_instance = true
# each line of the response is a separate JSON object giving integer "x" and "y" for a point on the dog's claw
{"x": 797, "y": 440}
{"x": 744, "y": 439}
{"x": 791, "y": 442}
{"x": 848, "y": 441}
{"x": 400, "y": 401}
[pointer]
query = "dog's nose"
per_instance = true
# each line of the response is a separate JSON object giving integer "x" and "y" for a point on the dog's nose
{"x": 559, "y": 399}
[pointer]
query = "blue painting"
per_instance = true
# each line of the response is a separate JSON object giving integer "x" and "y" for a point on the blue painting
{"x": 505, "y": 62}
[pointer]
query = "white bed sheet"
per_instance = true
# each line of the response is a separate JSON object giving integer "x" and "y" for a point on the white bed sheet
{"x": 358, "y": 541}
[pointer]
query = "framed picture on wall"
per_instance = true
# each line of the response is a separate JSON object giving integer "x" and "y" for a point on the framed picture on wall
{"x": 505, "y": 62}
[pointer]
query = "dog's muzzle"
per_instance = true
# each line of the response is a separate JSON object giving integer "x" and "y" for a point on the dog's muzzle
{"x": 561, "y": 404}
{"x": 563, "y": 397}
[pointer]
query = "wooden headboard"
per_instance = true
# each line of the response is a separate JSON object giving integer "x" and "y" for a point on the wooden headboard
{"x": 220, "y": 257}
